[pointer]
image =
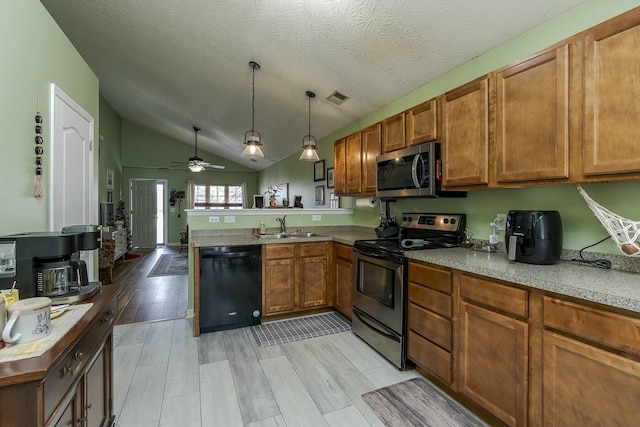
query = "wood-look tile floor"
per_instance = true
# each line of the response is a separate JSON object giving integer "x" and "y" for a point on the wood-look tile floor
{"x": 164, "y": 376}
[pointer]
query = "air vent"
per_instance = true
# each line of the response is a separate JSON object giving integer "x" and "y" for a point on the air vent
{"x": 337, "y": 97}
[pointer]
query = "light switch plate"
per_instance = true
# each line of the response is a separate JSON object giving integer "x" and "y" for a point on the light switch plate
{"x": 229, "y": 219}
{"x": 214, "y": 219}
{"x": 316, "y": 218}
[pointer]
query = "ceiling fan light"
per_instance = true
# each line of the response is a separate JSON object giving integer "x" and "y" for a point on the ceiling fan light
{"x": 196, "y": 168}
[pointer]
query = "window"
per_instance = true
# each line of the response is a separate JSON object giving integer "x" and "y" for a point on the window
{"x": 217, "y": 196}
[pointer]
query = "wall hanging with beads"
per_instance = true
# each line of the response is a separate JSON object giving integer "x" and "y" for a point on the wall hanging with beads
{"x": 39, "y": 150}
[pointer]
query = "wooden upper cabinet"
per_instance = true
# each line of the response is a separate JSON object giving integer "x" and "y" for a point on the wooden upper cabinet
{"x": 612, "y": 94}
{"x": 465, "y": 134}
{"x": 533, "y": 107}
{"x": 393, "y": 133}
{"x": 422, "y": 123}
{"x": 353, "y": 154}
{"x": 370, "y": 139}
{"x": 339, "y": 166}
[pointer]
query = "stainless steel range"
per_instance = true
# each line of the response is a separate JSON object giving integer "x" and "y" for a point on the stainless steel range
{"x": 380, "y": 279}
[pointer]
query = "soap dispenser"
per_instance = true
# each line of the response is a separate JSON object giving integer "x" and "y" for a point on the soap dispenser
{"x": 263, "y": 228}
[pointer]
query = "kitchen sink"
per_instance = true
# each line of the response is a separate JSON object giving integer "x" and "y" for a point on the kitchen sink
{"x": 272, "y": 236}
{"x": 304, "y": 235}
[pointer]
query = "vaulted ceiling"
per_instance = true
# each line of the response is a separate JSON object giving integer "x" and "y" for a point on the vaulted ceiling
{"x": 171, "y": 64}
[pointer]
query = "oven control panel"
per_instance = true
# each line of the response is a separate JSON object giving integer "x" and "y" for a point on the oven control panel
{"x": 430, "y": 221}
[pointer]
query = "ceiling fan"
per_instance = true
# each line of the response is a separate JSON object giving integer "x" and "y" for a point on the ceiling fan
{"x": 196, "y": 163}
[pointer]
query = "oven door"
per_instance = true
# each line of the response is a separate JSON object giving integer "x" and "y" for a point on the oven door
{"x": 378, "y": 289}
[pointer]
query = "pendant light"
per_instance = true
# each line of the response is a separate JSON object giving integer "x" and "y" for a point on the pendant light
{"x": 252, "y": 137}
{"x": 309, "y": 147}
{"x": 195, "y": 162}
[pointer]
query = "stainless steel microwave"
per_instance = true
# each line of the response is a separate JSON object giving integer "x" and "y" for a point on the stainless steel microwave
{"x": 410, "y": 172}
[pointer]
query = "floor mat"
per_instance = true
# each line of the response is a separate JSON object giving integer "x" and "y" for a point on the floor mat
{"x": 170, "y": 265}
{"x": 300, "y": 328}
{"x": 417, "y": 403}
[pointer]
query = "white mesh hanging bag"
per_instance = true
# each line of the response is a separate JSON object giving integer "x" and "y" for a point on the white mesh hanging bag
{"x": 625, "y": 232}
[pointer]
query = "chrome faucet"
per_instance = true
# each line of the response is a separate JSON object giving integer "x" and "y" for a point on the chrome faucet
{"x": 283, "y": 225}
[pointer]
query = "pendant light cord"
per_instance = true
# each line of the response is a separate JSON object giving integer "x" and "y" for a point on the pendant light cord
{"x": 253, "y": 97}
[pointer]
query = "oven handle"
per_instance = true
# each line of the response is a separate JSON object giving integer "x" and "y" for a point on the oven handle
{"x": 375, "y": 329}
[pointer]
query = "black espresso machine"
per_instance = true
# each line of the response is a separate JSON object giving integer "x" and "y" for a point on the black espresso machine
{"x": 48, "y": 263}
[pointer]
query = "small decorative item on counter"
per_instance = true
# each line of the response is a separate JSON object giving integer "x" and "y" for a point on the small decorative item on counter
{"x": 466, "y": 243}
{"x": 39, "y": 150}
{"x": 263, "y": 228}
{"x": 272, "y": 192}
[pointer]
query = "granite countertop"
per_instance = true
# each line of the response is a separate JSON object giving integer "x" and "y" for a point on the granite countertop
{"x": 610, "y": 287}
{"x": 347, "y": 237}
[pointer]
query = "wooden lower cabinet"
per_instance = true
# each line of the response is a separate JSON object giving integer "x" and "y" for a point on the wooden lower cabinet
{"x": 343, "y": 279}
{"x": 587, "y": 386}
{"x": 494, "y": 362}
{"x": 430, "y": 320}
{"x": 295, "y": 277}
{"x": 75, "y": 387}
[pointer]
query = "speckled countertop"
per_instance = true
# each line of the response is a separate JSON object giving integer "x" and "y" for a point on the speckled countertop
{"x": 611, "y": 287}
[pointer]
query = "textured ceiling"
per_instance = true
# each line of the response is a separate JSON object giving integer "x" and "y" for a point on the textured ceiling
{"x": 172, "y": 64}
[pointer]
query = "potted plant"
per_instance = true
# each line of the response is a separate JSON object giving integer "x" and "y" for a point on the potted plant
{"x": 121, "y": 216}
{"x": 272, "y": 192}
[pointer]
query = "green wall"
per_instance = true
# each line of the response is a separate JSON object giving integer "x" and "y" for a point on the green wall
{"x": 110, "y": 146}
{"x": 35, "y": 53}
{"x": 143, "y": 148}
{"x": 580, "y": 226}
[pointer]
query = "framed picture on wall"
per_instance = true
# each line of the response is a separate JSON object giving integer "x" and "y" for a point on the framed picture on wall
{"x": 109, "y": 179}
{"x": 329, "y": 177}
{"x": 319, "y": 195}
{"x": 318, "y": 170}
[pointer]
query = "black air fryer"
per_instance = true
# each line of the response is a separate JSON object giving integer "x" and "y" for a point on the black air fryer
{"x": 534, "y": 237}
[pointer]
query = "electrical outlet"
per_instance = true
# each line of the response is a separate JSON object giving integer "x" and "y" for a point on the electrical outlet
{"x": 501, "y": 222}
{"x": 214, "y": 219}
{"x": 229, "y": 219}
{"x": 316, "y": 218}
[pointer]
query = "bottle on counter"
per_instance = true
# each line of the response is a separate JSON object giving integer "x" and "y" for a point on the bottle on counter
{"x": 263, "y": 228}
{"x": 466, "y": 243}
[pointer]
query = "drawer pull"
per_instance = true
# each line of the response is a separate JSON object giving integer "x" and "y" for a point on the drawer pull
{"x": 66, "y": 369}
{"x": 78, "y": 355}
{"x": 108, "y": 316}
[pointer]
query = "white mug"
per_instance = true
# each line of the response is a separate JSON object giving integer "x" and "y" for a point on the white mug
{"x": 28, "y": 320}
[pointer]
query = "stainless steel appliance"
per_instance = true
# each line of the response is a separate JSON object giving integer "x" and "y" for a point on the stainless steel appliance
{"x": 230, "y": 287}
{"x": 380, "y": 279}
{"x": 412, "y": 171}
{"x": 48, "y": 263}
{"x": 534, "y": 237}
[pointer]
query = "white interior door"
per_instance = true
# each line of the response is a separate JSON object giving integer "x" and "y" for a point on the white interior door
{"x": 73, "y": 200}
{"x": 143, "y": 213}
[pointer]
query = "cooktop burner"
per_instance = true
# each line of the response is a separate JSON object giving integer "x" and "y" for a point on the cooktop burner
{"x": 420, "y": 231}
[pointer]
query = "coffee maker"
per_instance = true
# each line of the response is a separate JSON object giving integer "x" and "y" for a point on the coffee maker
{"x": 48, "y": 263}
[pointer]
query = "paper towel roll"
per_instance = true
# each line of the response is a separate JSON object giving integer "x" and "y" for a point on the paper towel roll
{"x": 366, "y": 203}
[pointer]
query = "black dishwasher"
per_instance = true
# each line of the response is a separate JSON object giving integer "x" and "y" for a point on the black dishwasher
{"x": 230, "y": 287}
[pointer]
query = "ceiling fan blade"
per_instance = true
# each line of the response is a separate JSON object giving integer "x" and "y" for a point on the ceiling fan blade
{"x": 210, "y": 166}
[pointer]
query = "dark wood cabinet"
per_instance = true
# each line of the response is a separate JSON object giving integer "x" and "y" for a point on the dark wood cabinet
{"x": 370, "y": 139}
{"x": 353, "y": 150}
{"x": 70, "y": 383}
